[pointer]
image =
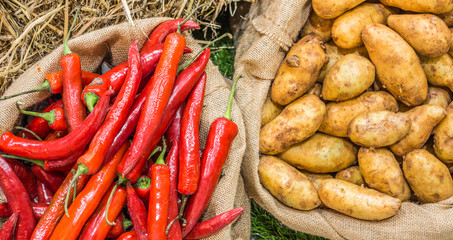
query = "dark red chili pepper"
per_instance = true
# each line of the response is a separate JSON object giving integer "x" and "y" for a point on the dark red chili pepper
{"x": 25, "y": 176}
{"x": 137, "y": 212}
{"x": 142, "y": 187}
{"x": 63, "y": 164}
{"x": 8, "y": 229}
{"x": 87, "y": 200}
{"x": 52, "y": 179}
{"x": 62, "y": 147}
{"x": 96, "y": 226}
{"x": 55, "y": 135}
{"x": 174, "y": 231}
{"x": 45, "y": 195}
{"x": 132, "y": 235}
{"x": 121, "y": 226}
{"x": 40, "y": 126}
{"x": 18, "y": 200}
{"x": 38, "y": 210}
{"x": 220, "y": 137}
{"x": 55, "y": 117}
{"x": 174, "y": 130}
{"x": 215, "y": 224}
{"x": 159, "y": 198}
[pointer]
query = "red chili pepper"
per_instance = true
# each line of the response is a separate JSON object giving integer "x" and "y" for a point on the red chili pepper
{"x": 55, "y": 117}
{"x": 96, "y": 226}
{"x": 220, "y": 137}
{"x": 55, "y": 135}
{"x": 51, "y": 179}
{"x": 87, "y": 200}
{"x": 25, "y": 176}
{"x": 174, "y": 130}
{"x": 137, "y": 212}
{"x": 159, "y": 34}
{"x": 62, "y": 147}
{"x": 159, "y": 198}
{"x": 55, "y": 211}
{"x": 8, "y": 229}
{"x": 132, "y": 235}
{"x": 215, "y": 224}
{"x": 121, "y": 226}
{"x": 142, "y": 188}
{"x": 18, "y": 200}
{"x": 63, "y": 164}
{"x": 174, "y": 231}
{"x": 40, "y": 126}
{"x": 45, "y": 195}
{"x": 38, "y": 210}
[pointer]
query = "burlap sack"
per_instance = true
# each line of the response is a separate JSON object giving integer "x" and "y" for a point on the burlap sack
{"x": 92, "y": 48}
{"x": 272, "y": 27}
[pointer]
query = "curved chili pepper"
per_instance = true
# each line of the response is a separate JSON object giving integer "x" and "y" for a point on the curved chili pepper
{"x": 96, "y": 226}
{"x": 132, "y": 235}
{"x": 38, "y": 210}
{"x": 137, "y": 212}
{"x": 174, "y": 130}
{"x": 87, "y": 200}
{"x": 62, "y": 147}
{"x": 174, "y": 231}
{"x": 159, "y": 34}
{"x": 51, "y": 179}
{"x": 18, "y": 200}
{"x": 142, "y": 188}
{"x": 215, "y": 224}
{"x": 7, "y": 231}
{"x": 55, "y": 117}
{"x": 220, "y": 137}
{"x": 55, "y": 211}
{"x": 159, "y": 198}
{"x": 25, "y": 176}
{"x": 121, "y": 226}
{"x": 55, "y": 135}
{"x": 45, "y": 195}
{"x": 40, "y": 126}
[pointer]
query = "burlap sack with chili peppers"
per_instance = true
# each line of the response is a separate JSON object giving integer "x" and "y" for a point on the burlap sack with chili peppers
{"x": 271, "y": 27}
{"x": 92, "y": 48}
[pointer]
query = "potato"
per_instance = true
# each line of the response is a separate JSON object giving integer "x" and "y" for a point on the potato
{"x": 321, "y": 27}
{"x": 378, "y": 129}
{"x": 356, "y": 201}
{"x": 288, "y": 185}
{"x": 423, "y": 120}
{"x": 352, "y": 175}
{"x": 428, "y": 177}
{"x": 349, "y": 77}
{"x": 382, "y": 172}
{"x": 340, "y": 114}
{"x": 347, "y": 28}
{"x": 439, "y": 70}
{"x": 438, "y": 96}
{"x": 315, "y": 90}
{"x": 447, "y": 18}
{"x": 397, "y": 65}
{"x": 443, "y": 137}
{"x": 316, "y": 178}
{"x": 329, "y": 9}
{"x": 422, "y": 6}
{"x": 297, "y": 122}
{"x": 321, "y": 154}
{"x": 299, "y": 70}
{"x": 426, "y": 33}
{"x": 269, "y": 111}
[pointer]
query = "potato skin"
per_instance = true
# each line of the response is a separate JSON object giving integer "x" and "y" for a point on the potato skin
{"x": 340, "y": 114}
{"x": 358, "y": 202}
{"x": 316, "y": 178}
{"x": 423, "y": 120}
{"x": 439, "y": 70}
{"x": 378, "y": 129}
{"x": 352, "y": 175}
{"x": 397, "y": 65}
{"x": 347, "y": 28}
{"x": 349, "y": 77}
{"x": 422, "y": 6}
{"x": 382, "y": 172}
{"x": 426, "y": 33}
{"x": 438, "y": 96}
{"x": 428, "y": 177}
{"x": 329, "y": 9}
{"x": 269, "y": 111}
{"x": 297, "y": 122}
{"x": 321, "y": 153}
{"x": 443, "y": 137}
{"x": 288, "y": 185}
{"x": 451, "y": 45}
{"x": 299, "y": 70}
{"x": 321, "y": 27}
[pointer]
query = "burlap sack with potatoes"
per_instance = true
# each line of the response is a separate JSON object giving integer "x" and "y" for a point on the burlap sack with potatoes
{"x": 92, "y": 48}
{"x": 271, "y": 27}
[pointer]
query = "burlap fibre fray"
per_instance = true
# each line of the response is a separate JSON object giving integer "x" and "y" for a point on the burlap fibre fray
{"x": 92, "y": 48}
{"x": 270, "y": 29}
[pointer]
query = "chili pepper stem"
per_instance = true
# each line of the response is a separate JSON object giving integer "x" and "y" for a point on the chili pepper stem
{"x": 127, "y": 223}
{"x": 44, "y": 86}
{"x": 48, "y": 116}
{"x": 180, "y": 214}
{"x": 109, "y": 201}
{"x": 230, "y": 100}
{"x": 190, "y": 15}
{"x": 29, "y": 131}
{"x": 160, "y": 160}
{"x": 91, "y": 99}
{"x": 34, "y": 161}
{"x": 66, "y": 50}
{"x": 81, "y": 169}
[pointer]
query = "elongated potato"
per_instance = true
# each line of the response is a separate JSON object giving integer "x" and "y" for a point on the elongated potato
{"x": 382, "y": 172}
{"x": 349, "y": 77}
{"x": 423, "y": 120}
{"x": 329, "y": 9}
{"x": 429, "y": 178}
{"x": 299, "y": 70}
{"x": 347, "y": 28}
{"x": 378, "y": 129}
{"x": 438, "y": 96}
{"x": 421, "y": 6}
{"x": 321, "y": 154}
{"x": 352, "y": 175}
{"x": 426, "y": 33}
{"x": 447, "y": 18}
{"x": 439, "y": 70}
{"x": 288, "y": 185}
{"x": 321, "y": 27}
{"x": 340, "y": 114}
{"x": 358, "y": 202}
{"x": 269, "y": 111}
{"x": 443, "y": 137}
{"x": 297, "y": 122}
{"x": 397, "y": 65}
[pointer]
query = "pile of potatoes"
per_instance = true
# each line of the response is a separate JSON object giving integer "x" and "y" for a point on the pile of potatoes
{"x": 359, "y": 117}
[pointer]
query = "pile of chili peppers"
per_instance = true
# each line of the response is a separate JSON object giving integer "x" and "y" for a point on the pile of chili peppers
{"x": 118, "y": 155}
